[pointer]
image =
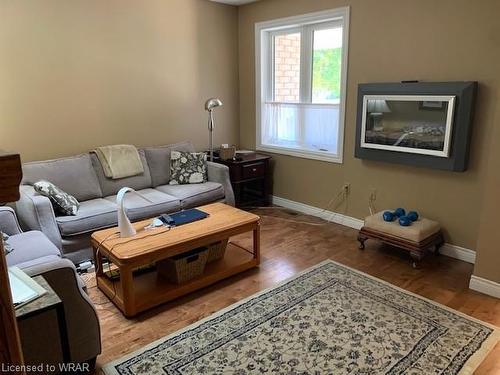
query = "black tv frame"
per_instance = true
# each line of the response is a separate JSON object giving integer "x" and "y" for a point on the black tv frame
{"x": 465, "y": 93}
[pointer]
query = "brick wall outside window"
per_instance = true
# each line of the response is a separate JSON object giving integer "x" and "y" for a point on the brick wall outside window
{"x": 287, "y": 68}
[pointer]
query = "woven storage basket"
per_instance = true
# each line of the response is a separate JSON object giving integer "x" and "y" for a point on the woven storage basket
{"x": 185, "y": 266}
{"x": 227, "y": 153}
{"x": 217, "y": 250}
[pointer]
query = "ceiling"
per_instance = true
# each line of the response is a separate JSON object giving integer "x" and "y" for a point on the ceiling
{"x": 235, "y": 2}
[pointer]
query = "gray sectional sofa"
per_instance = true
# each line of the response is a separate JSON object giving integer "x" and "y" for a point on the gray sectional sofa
{"x": 83, "y": 177}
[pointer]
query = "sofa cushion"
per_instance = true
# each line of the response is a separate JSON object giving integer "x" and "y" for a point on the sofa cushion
{"x": 158, "y": 158}
{"x": 68, "y": 174}
{"x": 92, "y": 215}
{"x": 29, "y": 246}
{"x": 138, "y": 208}
{"x": 193, "y": 195}
{"x": 37, "y": 261}
{"x": 110, "y": 186}
{"x": 61, "y": 201}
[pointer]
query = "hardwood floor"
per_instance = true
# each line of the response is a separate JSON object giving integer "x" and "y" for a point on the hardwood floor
{"x": 288, "y": 247}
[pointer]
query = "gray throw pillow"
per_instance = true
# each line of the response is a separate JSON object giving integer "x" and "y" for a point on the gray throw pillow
{"x": 188, "y": 167}
{"x": 62, "y": 202}
{"x": 7, "y": 247}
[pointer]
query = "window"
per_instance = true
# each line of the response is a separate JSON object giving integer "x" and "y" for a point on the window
{"x": 300, "y": 78}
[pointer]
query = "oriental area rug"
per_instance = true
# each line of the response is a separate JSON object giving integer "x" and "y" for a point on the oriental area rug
{"x": 329, "y": 319}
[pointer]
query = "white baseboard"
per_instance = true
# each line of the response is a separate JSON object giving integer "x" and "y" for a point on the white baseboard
{"x": 450, "y": 250}
{"x": 458, "y": 252}
{"x": 484, "y": 286}
{"x": 453, "y": 251}
{"x": 334, "y": 217}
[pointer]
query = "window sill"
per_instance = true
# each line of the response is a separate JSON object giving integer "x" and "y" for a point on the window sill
{"x": 314, "y": 155}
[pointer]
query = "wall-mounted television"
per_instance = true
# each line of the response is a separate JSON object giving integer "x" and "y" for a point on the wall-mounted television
{"x": 426, "y": 124}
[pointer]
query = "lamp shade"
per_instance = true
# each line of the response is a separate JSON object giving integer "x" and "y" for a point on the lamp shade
{"x": 377, "y": 106}
{"x": 212, "y": 103}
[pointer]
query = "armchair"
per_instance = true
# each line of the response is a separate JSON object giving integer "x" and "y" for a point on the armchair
{"x": 36, "y": 255}
{"x": 8, "y": 221}
{"x": 36, "y": 212}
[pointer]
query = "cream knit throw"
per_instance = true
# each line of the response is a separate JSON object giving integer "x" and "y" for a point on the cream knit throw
{"x": 119, "y": 161}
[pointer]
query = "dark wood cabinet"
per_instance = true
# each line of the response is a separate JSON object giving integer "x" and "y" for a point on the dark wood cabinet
{"x": 250, "y": 178}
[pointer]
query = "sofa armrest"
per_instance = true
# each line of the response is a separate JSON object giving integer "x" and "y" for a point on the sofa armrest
{"x": 35, "y": 212}
{"x": 220, "y": 173}
{"x": 84, "y": 335}
{"x": 8, "y": 221}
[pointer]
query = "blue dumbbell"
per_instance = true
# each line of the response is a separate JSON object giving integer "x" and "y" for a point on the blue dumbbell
{"x": 399, "y": 212}
{"x": 404, "y": 221}
{"x": 388, "y": 216}
{"x": 413, "y": 215}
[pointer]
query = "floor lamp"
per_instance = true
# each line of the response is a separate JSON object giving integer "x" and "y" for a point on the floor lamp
{"x": 210, "y": 105}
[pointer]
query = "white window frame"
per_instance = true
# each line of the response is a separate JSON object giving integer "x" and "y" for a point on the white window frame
{"x": 264, "y": 80}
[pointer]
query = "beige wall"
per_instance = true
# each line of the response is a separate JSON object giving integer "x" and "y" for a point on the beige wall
{"x": 390, "y": 41}
{"x": 488, "y": 247}
{"x": 81, "y": 73}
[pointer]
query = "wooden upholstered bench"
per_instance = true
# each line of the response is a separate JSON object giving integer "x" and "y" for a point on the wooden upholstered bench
{"x": 420, "y": 237}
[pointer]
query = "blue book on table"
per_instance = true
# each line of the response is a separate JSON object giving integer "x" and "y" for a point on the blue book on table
{"x": 183, "y": 217}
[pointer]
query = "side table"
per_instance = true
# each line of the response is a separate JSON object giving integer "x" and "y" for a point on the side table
{"x": 43, "y": 317}
{"x": 250, "y": 178}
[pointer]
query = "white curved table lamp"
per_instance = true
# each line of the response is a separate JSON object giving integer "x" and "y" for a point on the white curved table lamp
{"x": 124, "y": 225}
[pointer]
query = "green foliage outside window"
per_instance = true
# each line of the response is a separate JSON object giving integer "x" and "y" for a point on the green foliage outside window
{"x": 326, "y": 73}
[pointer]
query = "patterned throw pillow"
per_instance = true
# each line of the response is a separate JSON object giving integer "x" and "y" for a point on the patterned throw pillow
{"x": 187, "y": 167}
{"x": 7, "y": 247}
{"x": 61, "y": 201}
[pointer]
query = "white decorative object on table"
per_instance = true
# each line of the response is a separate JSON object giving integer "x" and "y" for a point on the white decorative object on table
{"x": 124, "y": 225}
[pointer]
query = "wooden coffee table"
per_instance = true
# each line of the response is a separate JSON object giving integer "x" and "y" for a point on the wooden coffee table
{"x": 133, "y": 293}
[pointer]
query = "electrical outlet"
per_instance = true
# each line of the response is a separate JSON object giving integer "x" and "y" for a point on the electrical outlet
{"x": 347, "y": 188}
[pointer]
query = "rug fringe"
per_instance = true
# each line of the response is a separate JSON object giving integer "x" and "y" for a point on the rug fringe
{"x": 478, "y": 357}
